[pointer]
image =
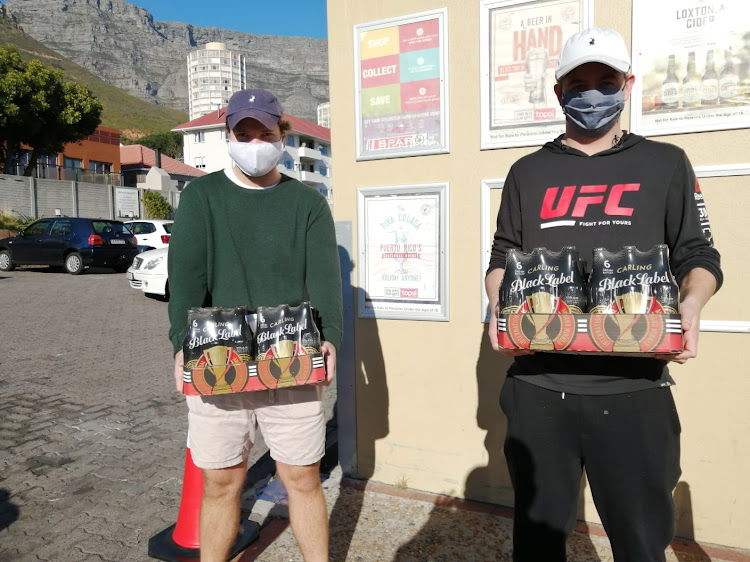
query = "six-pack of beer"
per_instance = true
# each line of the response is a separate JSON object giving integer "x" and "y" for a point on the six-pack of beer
{"x": 629, "y": 304}
{"x": 230, "y": 350}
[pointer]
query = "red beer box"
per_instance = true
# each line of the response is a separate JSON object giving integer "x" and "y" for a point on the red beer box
{"x": 284, "y": 340}
{"x": 638, "y": 334}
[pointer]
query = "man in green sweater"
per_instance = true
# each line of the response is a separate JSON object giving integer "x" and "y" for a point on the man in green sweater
{"x": 249, "y": 235}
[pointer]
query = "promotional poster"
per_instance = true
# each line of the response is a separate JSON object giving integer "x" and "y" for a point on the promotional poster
{"x": 692, "y": 66}
{"x": 401, "y": 87}
{"x": 521, "y": 44}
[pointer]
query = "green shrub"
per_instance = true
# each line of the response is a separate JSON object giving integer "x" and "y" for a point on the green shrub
{"x": 11, "y": 220}
{"x": 156, "y": 206}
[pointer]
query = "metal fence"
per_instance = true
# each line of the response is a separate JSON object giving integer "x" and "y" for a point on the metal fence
{"x": 48, "y": 171}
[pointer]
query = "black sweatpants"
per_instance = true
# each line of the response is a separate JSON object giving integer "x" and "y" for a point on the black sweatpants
{"x": 629, "y": 445}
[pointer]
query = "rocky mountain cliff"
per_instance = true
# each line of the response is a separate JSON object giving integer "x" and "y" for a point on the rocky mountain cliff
{"x": 126, "y": 47}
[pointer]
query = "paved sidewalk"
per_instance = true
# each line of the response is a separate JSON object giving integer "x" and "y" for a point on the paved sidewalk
{"x": 373, "y": 522}
{"x": 92, "y": 447}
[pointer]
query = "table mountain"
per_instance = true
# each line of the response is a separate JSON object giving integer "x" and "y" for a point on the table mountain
{"x": 126, "y": 47}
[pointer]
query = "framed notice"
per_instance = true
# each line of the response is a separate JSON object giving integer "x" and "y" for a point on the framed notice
{"x": 401, "y": 69}
{"x": 403, "y": 254}
{"x": 691, "y": 61}
{"x": 126, "y": 203}
{"x": 520, "y": 44}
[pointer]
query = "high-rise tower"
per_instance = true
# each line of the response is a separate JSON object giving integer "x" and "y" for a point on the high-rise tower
{"x": 214, "y": 74}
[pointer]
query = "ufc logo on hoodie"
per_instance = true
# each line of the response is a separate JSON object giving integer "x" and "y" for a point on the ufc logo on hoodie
{"x": 562, "y": 209}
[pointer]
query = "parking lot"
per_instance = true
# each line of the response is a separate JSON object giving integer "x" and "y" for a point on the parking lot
{"x": 92, "y": 432}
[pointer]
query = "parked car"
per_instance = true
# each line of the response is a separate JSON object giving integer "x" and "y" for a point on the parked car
{"x": 150, "y": 233}
{"x": 72, "y": 242}
{"x": 149, "y": 272}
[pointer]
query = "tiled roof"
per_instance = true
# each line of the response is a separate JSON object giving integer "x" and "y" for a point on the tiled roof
{"x": 217, "y": 119}
{"x": 139, "y": 154}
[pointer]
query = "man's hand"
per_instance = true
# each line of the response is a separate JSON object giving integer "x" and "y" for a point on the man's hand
{"x": 691, "y": 321}
{"x": 695, "y": 290}
{"x": 179, "y": 366}
{"x": 492, "y": 334}
{"x": 329, "y": 354}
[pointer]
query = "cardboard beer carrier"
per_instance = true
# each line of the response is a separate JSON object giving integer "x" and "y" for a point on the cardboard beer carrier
{"x": 231, "y": 350}
{"x": 630, "y": 306}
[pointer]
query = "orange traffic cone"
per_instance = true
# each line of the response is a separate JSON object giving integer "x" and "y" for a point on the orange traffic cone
{"x": 181, "y": 541}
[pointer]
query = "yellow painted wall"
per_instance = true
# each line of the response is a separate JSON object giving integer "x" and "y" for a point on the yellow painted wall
{"x": 427, "y": 392}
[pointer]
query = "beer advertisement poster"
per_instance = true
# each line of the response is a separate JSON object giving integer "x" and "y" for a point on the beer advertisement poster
{"x": 691, "y": 62}
{"x": 520, "y": 45}
{"x": 401, "y": 88}
{"x": 402, "y": 250}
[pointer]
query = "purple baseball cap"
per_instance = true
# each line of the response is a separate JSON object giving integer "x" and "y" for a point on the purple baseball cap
{"x": 256, "y": 104}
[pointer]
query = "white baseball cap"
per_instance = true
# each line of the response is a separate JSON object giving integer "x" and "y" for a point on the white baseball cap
{"x": 595, "y": 44}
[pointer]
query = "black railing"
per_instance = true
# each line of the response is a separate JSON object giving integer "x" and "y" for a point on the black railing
{"x": 47, "y": 171}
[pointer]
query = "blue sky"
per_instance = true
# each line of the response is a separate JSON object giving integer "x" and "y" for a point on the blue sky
{"x": 304, "y": 18}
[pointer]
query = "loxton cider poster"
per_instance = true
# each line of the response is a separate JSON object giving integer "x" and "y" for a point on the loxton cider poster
{"x": 691, "y": 61}
{"x": 401, "y": 68}
{"x": 520, "y": 47}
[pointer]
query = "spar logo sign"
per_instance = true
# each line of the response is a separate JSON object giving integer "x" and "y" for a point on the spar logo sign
{"x": 402, "y": 141}
{"x": 409, "y": 293}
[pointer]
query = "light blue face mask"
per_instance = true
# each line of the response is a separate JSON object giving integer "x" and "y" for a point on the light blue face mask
{"x": 593, "y": 112}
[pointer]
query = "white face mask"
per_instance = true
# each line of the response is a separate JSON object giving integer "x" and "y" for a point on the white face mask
{"x": 256, "y": 158}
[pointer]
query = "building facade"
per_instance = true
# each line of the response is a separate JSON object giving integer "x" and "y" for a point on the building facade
{"x": 433, "y": 418}
{"x": 214, "y": 74}
{"x": 95, "y": 159}
{"x": 307, "y": 154}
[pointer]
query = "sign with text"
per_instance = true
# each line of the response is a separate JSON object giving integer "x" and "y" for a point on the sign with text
{"x": 126, "y": 203}
{"x": 692, "y": 66}
{"x": 403, "y": 257}
{"x": 520, "y": 45}
{"x": 401, "y": 100}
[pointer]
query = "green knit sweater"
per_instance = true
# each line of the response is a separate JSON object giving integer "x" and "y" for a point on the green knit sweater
{"x": 232, "y": 246}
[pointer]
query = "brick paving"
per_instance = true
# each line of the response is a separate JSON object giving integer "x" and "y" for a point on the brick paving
{"x": 92, "y": 433}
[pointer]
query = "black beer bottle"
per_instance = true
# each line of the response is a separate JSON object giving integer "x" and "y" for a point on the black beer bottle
{"x": 512, "y": 295}
{"x": 572, "y": 290}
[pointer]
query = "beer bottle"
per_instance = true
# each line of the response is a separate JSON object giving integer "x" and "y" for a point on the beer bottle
{"x": 670, "y": 88}
{"x": 728, "y": 79}
{"x": 514, "y": 288}
{"x": 572, "y": 290}
{"x": 691, "y": 84}
{"x": 710, "y": 82}
{"x": 666, "y": 293}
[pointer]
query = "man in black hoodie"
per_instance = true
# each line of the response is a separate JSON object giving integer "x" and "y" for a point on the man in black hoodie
{"x": 599, "y": 186}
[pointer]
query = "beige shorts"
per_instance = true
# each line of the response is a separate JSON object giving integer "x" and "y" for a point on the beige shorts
{"x": 222, "y": 428}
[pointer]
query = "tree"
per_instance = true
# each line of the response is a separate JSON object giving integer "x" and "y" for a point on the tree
{"x": 156, "y": 206}
{"x": 170, "y": 143}
{"x": 39, "y": 109}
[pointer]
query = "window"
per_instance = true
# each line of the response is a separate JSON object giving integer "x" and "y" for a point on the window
{"x": 100, "y": 167}
{"x": 325, "y": 150}
{"x": 323, "y": 169}
{"x": 37, "y": 229}
{"x": 289, "y": 164}
{"x": 73, "y": 163}
{"x": 61, "y": 228}
{"x": 199, "y": 136}
{"x": 200, "y": 161}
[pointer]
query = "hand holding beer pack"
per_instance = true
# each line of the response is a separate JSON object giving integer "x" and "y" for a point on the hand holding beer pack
{"x": 631, "y": 298}
{"x": 229, "y": 350}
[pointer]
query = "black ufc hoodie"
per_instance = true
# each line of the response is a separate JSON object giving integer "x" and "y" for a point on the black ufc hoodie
{"x": 638, "y": 193}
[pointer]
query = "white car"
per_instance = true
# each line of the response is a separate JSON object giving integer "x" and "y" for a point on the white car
{"x": 149, "y": 272}
{"x": 151, "y": 233}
